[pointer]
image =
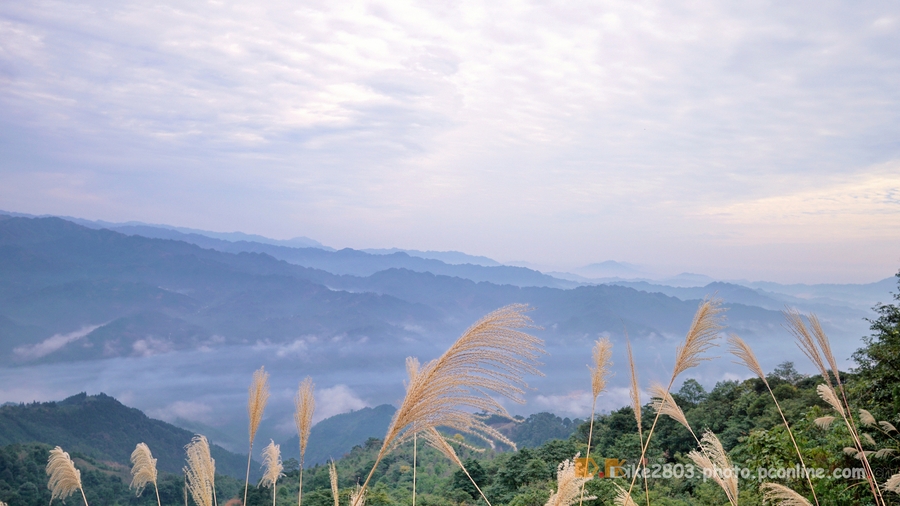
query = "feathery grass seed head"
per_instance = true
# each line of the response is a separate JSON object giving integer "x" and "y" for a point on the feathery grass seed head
{"x": 707, "y": 323}
{"x": 568, "y": 484}
{"x": 635, "y": 391}
{"x": 64, "y": 478}
{"x": 827, "y": 394}
{"x": 271, "y": 464}
{"x": 200, "y": 473}
{"x": 256, "y": 402}
{"x": 305, "y": 406}
{"x": 333, "y": 478}
{"x": 143, "y": 470}
{"x": 742, "y": 351}
{"x": 713, "y": 459}
{"x": 805, "y": 341}
{"x": 893, "y": 484}
{"x": 782, "y": 496}
{"x": 823, "y": 422}
{"x": 866, "y": 418}
{"x": 602, "y": 354}
{"x": 492, "y": 356}
{"x": 622, "y": 497}
{"x": 664, "y": 404}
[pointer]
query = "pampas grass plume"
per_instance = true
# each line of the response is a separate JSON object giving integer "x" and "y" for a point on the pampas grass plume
{"x": 200, "y": 472}
{"x": 305, "y": 406}
{"x": 665, "y": 404}
{"x": 893, "y": 484}
{"x": 64, "y": 478}
{"x": 708, "y": 321}
{"x": 272, "y": 464}
{"x": 827, "y": 394}
{"x": 143, "y": 470}
{"x": 491, "y": 357}
{"x": 602, "y": 354}
{"x": 714, "y": 461}
{"x": 256, "y": 402}
{"x": 782, "y": 496}
{"x": 333, "y": 477}
{"x": 635, "y": 391}
{"x": 568, "y": 485}
{"x": 623, "y": 498}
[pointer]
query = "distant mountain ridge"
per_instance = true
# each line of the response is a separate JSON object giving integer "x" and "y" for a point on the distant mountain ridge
{"x": 105, "y": 429}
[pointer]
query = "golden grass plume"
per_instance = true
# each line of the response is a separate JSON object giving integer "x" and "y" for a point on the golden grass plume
{"x": 602, "y": 354}
{"x": 805, "y": 341}
{"x": 782, "y": 496}
{"x": 893, "y": 484}
{"x": 664, "y": 404}
{"x": 143, "y": 469}
{"x": 707, "y": 323}
{"x": 491, "y": 357}
{"x": 333, "y": 478}
{"x": 623, "y": 498}
{"x": 64, "y": 479}
{"x": 740, "y": 349}
{"x": 634, "y": 391}
{"x": 305, "y": 406}
{"x": 828, "y": 395}
{"x": 358, "y": 496}
{"x": 568, "y": 484}
{"x": 271, "y": 464}
{"x": 256, "y": 402}
{"x": 200, "y": 472}
{"x": 434, "y": 439}
{"x": 714, "y": 461}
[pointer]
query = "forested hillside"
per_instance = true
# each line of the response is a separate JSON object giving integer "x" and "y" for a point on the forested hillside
{"x": 102, "y": 428}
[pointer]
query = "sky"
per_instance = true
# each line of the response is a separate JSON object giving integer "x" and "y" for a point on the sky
{"x": 739, "y": 140}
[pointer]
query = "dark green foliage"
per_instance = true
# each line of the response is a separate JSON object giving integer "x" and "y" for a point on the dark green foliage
{"x": 878, "y": 361}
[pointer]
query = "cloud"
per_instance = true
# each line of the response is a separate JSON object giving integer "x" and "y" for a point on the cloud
{"x": 590, "y": 131}
{"x": 336, "y": 400}
{"x": 51, "y": 344}
{"x": 577, "y": 403}
{"x": 185, "y": 410}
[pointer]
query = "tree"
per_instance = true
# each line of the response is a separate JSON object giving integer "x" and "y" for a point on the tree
{"x": 879, "y": 360}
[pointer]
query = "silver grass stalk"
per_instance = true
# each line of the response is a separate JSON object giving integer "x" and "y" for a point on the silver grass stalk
{"x": 866, "y": 418}
{"x": 332, "y": 475}
{"x": 358, "y": 496}
{"x": 742, "y": 351}
{"x": 782, "y": 496}
{"x": 492, "y": 356}
{"x": 602, "y": 354}
{"x": 664, "y": 404}
{"x": 143, "y": 470}
{"x": 200, "y": 472}
{"x": 568, "y": 485}
{"x": 438, "y": 442}
{"x": 714, "y": 461}
{"x": 305, "y": 406}
{"x": 708, "y": 321}
{"x": 273, "y": 467}
{"x": 623, "y": 498}
{"x": 816, "y": 346}
{"x": 64, "y": 479}
{"x": 256, "y": 405}
{"x": 635, "y": 394}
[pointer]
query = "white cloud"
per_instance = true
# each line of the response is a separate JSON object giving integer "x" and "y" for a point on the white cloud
{"x": 577, "y": 403}
{"x": 51, "y": 344}
{"x": 589, "y": 131}
{"x": 185, "y": 410}
{"x": 336, "y": 400}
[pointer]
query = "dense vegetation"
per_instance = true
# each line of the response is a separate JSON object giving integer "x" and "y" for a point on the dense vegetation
{"x": 102, "y": 428}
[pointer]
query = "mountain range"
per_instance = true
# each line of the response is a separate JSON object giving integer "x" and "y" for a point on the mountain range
{"x": 177, "y": 320}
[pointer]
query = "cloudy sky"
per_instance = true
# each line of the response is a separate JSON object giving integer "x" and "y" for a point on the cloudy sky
{"x": 743, "y": 140}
